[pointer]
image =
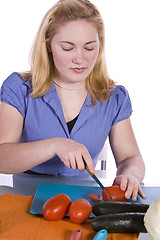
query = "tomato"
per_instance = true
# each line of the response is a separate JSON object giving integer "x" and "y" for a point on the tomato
{"x": 77, "y": 234}
{"x": 113, "y": 193}
{"x": 80, "y": 210}
{"x": 95, "y": 197}
{"x": 56, "y": 207}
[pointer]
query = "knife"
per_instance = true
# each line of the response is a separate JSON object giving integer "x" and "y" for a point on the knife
{"x": 94, "y": 177}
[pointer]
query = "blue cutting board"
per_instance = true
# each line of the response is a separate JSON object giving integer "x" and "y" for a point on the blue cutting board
{"x": 46, "y": 190}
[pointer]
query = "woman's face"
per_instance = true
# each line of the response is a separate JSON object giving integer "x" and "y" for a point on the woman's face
{"x": 75, "y": 49}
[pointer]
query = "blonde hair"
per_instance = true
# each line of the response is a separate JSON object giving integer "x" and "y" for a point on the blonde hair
{"x": 98, "y": 83}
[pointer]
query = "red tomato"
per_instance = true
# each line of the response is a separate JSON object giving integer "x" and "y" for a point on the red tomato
{"x": 77, "y": 234}
{"x": 56, "y": 207}
{"x": 95, "y": 197}
{"x": 113, "y": 193}
{"x": 80, "y": 210}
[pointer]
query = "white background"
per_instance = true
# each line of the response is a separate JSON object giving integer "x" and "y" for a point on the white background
{"x": 133, "y": 59}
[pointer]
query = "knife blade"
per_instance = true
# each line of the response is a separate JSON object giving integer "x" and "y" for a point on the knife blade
{"x": 94, "y": 177}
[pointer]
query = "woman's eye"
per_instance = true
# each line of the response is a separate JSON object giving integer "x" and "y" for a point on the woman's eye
{"x": 67, "y": 49}
{"x": 89, "y": 49}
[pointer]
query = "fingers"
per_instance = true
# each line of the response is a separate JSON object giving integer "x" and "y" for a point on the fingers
{"x": 123, "y": 184}
{"x": 75, "y": 155}
{"x": 88, "y": 160}
{"x": 131, "y": 187}
{"x": 141, "y": 193}
{"x": 72, "y": 162}
{"x": 80, "y": 160}
{"x": 132, "y": 190}
{"x": 80, "y": 163}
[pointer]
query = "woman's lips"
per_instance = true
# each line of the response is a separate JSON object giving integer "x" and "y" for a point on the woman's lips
{"x": 78, "y": 70}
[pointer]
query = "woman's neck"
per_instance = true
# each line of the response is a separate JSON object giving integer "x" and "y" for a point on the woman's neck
{"x": 72, "y": 99}
{"x": 69, "y": 87}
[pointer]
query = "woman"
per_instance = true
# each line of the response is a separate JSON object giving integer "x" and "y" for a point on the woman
{"x": 56, "y": 118}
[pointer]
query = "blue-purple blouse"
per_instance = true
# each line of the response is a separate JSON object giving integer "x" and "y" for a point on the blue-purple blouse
{"x": 44, "y": 118}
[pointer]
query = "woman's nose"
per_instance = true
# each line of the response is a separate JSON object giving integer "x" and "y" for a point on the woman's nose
{"x": 78, "y": 57}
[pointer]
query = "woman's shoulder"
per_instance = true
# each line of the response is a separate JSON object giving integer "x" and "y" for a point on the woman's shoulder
{"x": 15, "y": 80}
{"x": 119, "y": 90}
{"x": 118, "y": 94}
{"x": 120, "y": 103}
{"x": 15, "y": 92}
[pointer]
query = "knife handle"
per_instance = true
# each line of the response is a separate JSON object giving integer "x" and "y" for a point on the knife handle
{"x": 91, "y": 174}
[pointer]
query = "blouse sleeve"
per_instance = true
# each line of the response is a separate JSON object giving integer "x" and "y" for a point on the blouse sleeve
{"x": 14, "y": 92}
{"x": 122, "y": 104}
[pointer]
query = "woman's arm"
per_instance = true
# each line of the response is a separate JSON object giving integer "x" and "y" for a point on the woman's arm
{"x": 18, "y": 157}
{"x": 130, "y": 165}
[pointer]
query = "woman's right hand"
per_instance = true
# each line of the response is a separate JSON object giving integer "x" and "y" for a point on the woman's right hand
{"x": 73, "y": 154}
{"x": 18, "y": 157}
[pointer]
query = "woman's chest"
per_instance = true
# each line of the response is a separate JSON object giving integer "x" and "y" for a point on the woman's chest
{"x": 72, "y": 104}
{"x": 46, "y": 120}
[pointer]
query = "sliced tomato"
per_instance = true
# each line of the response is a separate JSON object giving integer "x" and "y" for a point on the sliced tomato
{"x": 56, "y": 207}
{"x": 80, "y": 210}
{"x": 95, "y": 197}
{"x": 113, "y": 193}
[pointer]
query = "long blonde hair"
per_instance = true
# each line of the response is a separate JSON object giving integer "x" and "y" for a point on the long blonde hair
{"x": 98, "y": 83}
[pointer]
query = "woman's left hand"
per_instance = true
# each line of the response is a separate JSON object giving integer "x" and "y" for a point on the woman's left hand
{"x": 130, "y": 185}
